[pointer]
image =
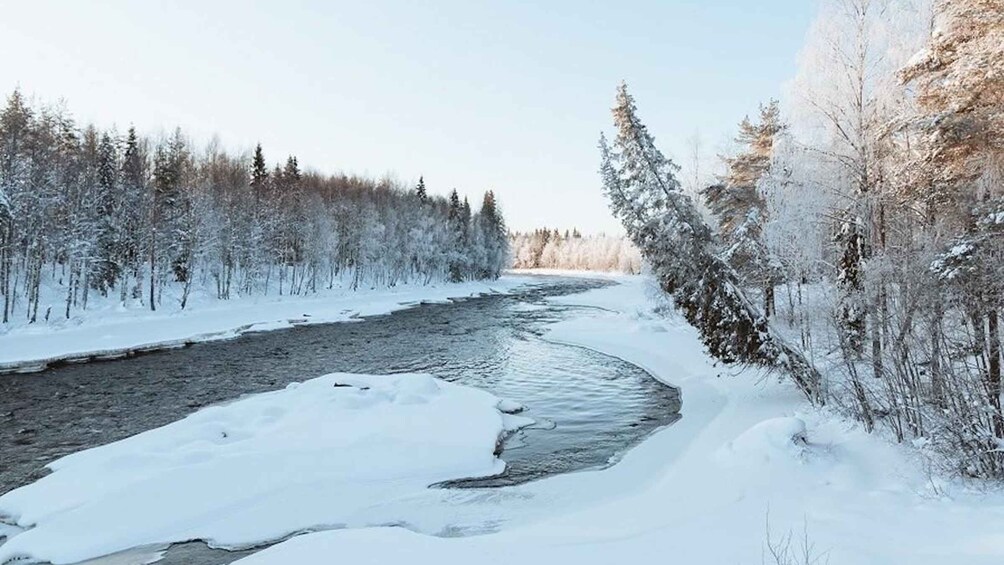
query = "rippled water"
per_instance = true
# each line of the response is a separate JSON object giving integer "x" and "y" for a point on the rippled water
{"x": 589, "y": 407}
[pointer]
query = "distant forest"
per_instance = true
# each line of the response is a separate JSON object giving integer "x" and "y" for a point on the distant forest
{"x": 550, "y": 249}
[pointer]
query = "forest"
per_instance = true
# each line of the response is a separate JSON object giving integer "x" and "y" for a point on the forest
{"x": 854, "y": 239}
{"x": 551, "y": 249}
{"x": 89, "y": 214}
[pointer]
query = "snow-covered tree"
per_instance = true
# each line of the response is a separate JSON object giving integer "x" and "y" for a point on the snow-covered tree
{"x": 645, "y": 195}
{"x": 83, "y": 210}
{"x": 741, "y": 209}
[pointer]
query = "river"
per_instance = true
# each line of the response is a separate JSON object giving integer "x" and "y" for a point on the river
{"x": 589, "y": 407}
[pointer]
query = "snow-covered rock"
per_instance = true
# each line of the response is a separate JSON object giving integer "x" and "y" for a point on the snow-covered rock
{"x": 770, "y": 440}
{"x": 510, "y": 406}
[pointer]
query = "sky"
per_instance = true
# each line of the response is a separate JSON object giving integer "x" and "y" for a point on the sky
{"x": 509, "y": 96}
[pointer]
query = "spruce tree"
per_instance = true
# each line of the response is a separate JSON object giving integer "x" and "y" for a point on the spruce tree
{"x": 420, "y": 190}
{"x": 291, "y": 172}
{"x": 645, "y": 195}
{"x": 107, "y": 267}
{"x": 455, "y": 218}
{"x": 259, "y": 176}
{"x": 494, "y": 237}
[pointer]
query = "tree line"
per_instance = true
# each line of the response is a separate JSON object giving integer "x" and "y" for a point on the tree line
{"x": 550, "y": 249}
{"x": 91, "y": 214}
{"x": 856, "y": 236}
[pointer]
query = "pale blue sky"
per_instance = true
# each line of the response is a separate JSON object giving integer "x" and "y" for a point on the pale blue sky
{"x": 474, "y": 95}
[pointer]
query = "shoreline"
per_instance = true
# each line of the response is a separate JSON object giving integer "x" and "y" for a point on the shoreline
{"x": 34, "y": 349}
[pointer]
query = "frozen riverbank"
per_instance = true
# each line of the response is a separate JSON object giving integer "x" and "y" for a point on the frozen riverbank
{"x": 746, "y": 454}
{"x": 261, "y": 468}
{"x": 109, "y": 330}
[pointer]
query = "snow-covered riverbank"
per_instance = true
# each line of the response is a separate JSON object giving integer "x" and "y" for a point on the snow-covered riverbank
{"x": 261, "y": 468}
{"x": 748, "y": 455}
{"x": 107, "y": 329}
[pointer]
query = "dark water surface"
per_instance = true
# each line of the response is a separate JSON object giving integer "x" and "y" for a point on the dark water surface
{"x": 589, "y": 407}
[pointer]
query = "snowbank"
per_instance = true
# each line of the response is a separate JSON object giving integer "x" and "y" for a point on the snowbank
{"x": 261, "y": 468}
{"x": 747, "y": 453}
{"x": 108, "y": 329}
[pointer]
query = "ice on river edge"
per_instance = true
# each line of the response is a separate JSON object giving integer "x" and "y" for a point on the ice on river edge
{"x": 311, "y": 456}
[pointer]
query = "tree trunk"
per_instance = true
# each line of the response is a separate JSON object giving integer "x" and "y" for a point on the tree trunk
{"x": 937, "y": 378}
{"x": 994, "y": 372}
{"x": 768, "y": 301}
{"x": 153, "y": 270}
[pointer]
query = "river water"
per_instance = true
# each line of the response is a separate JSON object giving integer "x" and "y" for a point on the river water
{"x": 589, "y": 408}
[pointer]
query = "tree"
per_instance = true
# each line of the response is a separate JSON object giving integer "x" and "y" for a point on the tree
{"x": 457, "y": 230}
{"x": 291, "y": 172}
{"x": 959, "y": 78}
{"x": 740, "y": 207}
{"x": 495, "y": 242}
{"x": 167, "y": 237}
{"x": 136, "y": 207}
{"x": 14, "y": 131}
{"x": 420, "y": 190}
{"x": 847, "y": 85}
{"x": 80, "y": 211}
{"x": 259, "y": 176}
{"x": 644, "y": 194}
{"x": 108, "y": 265}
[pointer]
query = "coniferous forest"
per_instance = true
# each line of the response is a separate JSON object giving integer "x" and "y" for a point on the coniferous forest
{"x": 89, "y": 214}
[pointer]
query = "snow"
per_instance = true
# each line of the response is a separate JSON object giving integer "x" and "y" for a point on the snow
{"x": 777, "y": 438}
{"x": 261, "y": 468}
{"x": 748, "y": 456}
{"x": 109, "y": 330}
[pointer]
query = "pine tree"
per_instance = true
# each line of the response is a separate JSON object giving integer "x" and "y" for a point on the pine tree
{"x": 741, "y": 209}
{"x": 645, "y": 195}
